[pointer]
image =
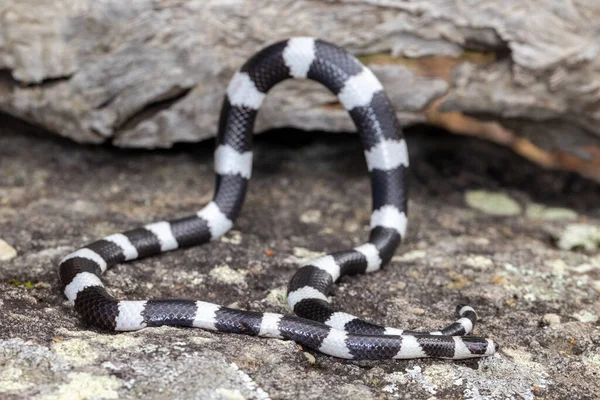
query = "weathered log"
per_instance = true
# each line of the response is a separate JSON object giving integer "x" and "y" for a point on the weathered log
{"x": 149, "y": 73}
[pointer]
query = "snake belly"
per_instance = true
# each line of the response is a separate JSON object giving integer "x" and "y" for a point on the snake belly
{"x": 316, "y": 324}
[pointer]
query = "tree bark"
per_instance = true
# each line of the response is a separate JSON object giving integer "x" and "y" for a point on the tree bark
{"x": 146, "y": 73}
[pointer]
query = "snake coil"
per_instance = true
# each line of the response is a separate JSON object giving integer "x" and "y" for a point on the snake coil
{"x": 317, "y": 325}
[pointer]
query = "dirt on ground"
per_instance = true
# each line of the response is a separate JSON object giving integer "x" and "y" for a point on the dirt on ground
{"x": 518, "y": 243}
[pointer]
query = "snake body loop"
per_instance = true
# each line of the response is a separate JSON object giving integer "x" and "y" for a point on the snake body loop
{"x": 317, "y": 325}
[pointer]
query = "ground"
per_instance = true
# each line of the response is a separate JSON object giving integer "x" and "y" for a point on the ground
{"x": 528, "y": 263}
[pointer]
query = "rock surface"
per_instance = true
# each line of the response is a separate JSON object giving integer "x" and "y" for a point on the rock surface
{"x": 56, "y": 195}
{"x": 150, "y": 73}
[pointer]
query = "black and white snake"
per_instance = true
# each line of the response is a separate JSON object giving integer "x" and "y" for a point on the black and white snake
{"x": 317, "y": 325}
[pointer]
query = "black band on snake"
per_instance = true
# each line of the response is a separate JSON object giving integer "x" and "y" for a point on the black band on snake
{"x": 317, "y": 325}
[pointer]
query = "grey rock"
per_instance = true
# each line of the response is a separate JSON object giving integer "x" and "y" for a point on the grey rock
{"x": 7, "y": 252}
{"x": 56, "y": 196}
{"x": 551, "y": 319}
{"x": 151, "y": 74}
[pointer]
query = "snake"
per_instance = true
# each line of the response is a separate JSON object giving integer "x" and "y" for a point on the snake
{"x": 316, "y": 325}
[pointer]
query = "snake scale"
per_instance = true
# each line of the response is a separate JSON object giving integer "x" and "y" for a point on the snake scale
{"x": 316, "y": 324}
